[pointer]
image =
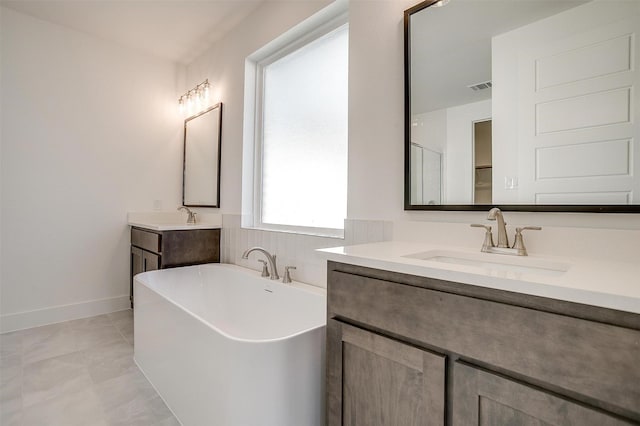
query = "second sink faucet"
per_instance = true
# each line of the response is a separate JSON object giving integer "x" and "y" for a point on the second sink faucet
{"x": 271, "y": 258}
{"x": 191, "y": 219}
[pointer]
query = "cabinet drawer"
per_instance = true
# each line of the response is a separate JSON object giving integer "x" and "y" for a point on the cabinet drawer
{"x": 588, "y": 360}
{"x": 191, "y": 247}
{"x": 147, "y": 240}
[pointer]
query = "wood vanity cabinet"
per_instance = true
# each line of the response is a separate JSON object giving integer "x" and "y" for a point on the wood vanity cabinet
{"x": 151, "y": 250}
{"x": 409, "y": 350}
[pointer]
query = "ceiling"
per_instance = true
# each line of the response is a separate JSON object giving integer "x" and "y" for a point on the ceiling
{"x": 177, "y": 30}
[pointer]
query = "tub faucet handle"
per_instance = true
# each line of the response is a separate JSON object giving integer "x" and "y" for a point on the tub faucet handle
{"x": 265, "y": 270}
{"x": 287, "y": 276}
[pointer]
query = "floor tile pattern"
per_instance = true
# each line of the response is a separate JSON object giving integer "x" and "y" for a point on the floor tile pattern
{"x": 77, "y": 372}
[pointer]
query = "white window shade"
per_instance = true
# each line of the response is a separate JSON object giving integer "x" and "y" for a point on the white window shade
{"x": 304, "y": 135}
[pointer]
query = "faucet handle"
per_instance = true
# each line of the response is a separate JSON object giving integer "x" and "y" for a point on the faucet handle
{"x": 287, "y": 276}
{"x": 518, "y": 242}
{"x": 265, "y": 270}
{"x": 477, "y": 225}
{"x": 488, "y": 237}
{"x": 524, "y": 228}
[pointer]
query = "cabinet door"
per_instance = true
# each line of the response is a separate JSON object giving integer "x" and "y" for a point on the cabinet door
{"x": 483, "y": 398}
{"x": 150, "y": 261}
{"x": 377, "y": 381}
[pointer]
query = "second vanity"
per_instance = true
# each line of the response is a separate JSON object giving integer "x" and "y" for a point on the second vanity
{"x": 421, "y": 334}
{"x": 166, "y": 240}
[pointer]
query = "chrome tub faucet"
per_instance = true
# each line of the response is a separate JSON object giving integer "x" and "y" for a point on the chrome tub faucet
{"x": 271, "y": 258}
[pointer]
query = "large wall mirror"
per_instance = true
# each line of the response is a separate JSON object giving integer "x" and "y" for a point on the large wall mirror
{"x": 202, "y": 149}
{"x": 530, "y": 105}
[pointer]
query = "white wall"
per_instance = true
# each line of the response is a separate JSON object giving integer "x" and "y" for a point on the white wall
{"x": 89, "y": 132}
{"x": 376, "y": 108}
{"x": 459, "y": 180}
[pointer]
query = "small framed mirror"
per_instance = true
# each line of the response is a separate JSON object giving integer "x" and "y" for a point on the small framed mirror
{"x": 202, "y": 151}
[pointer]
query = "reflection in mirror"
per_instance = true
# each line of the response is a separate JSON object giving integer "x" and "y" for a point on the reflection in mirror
{"x": 528, "y": 103}
{"x": 202, "y": 149}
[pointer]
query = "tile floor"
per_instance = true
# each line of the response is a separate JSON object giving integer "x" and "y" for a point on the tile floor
{"x": 77, "y": 372}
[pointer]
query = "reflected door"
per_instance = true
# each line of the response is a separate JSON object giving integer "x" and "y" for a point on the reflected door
{"x": 576, "y": 127}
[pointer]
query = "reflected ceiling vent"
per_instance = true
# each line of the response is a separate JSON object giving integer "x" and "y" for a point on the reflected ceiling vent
{"x": 481, "y": 86}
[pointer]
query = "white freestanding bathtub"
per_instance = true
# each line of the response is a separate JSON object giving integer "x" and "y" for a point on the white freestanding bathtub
{"x": 225, "y": 347}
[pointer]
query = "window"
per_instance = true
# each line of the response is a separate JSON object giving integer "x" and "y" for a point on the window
{"x": 300, "y": 134}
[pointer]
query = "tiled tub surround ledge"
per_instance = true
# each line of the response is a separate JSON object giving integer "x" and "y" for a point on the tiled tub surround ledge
{"x": 78, "y": 372}
{"x": 602, "y": 283}
{"x": 297, "y": 250}
{"x": 224, "y": 346}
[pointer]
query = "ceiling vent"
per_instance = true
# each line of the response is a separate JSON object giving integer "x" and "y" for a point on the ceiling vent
{"x": 481, "y": 86}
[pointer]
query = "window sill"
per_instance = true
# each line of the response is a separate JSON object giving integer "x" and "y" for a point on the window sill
{"x": 297, "y": 232}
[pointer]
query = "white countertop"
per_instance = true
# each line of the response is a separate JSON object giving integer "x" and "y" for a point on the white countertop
{"x": 172, "y": 221}
{"x": 608, "y": 284}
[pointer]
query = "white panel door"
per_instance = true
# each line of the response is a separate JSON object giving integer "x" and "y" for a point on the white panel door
{"x": 577, "y": 128}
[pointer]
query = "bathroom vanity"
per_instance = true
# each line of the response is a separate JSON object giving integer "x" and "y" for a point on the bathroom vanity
{"x": 160, "y": 246}
{"x": 409, "y": 342}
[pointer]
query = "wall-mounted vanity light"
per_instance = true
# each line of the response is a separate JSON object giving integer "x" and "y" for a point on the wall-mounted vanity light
{"x": 195, "y": 100}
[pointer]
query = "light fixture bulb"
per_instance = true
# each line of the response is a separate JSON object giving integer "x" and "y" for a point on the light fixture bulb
{"x": 181, "y": 104}
{"x": 206, "y": 90}
{"x": 189, "y": 103}
{"x": 198, "y": 100}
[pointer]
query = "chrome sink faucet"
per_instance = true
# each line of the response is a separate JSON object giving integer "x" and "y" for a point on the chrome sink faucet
{"x": 496, "y": 214}
{"x": 191, "y": 219}
{"x": 271, "y": 258}
{"x": 518, "y": 248}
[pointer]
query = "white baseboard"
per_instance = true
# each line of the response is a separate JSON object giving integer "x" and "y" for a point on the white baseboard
{"x": 28, "y": 319}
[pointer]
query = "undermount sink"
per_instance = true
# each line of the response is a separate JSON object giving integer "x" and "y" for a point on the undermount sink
{"x": 494, "y": 262}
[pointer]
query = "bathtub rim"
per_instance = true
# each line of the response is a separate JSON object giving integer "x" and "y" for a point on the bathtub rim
{"x": 296, "y": 285}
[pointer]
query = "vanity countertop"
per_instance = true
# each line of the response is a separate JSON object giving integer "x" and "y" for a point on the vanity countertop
{"x": 170, "y": 221}
{"x": 608, "y": 284}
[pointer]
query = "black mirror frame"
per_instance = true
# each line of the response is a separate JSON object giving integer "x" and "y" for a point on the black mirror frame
{"x": 567, "y": 208}
{"x": 184, "y": 155}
